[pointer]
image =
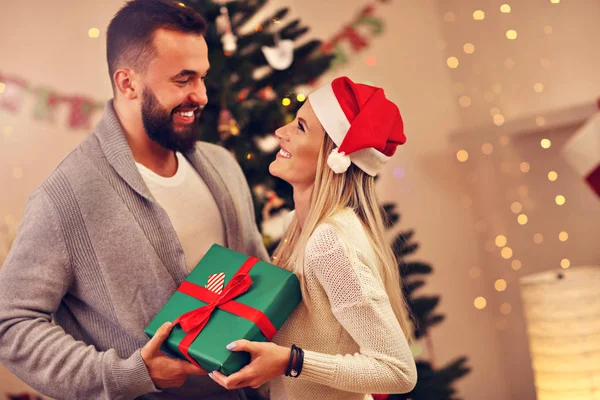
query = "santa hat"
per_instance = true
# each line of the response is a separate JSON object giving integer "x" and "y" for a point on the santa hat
{"x": 365, "y": 126}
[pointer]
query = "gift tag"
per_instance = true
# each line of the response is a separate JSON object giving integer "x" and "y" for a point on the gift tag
{"x": 216, "y": 282}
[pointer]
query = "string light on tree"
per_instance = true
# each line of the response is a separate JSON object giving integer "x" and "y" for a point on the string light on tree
{"x": 301, "y": 97}
{"x": 538, "y": 238}
{"x": 469, "y": 48}
{"x": 522, "y": 219}
{"x": 478, "y": 15}
{"x": 506, "y": 253}
{"x": 94, "y": 33}
{"x": 499, "y": 119}
{"x": 511, "y": 34}
{"x": 516, "y": 207}
{"x": 563, "y": 236}
{"x": 462, "y": 155}
{"x": 554, "y": 1}
{"x": 480, "y": 303}
{"x": 487, "y": 148}
{"x": 525, "y": 167}
{"x": 545, "y": 143}
{"x": 552, "y": 176}
{"x": 505, "y": 8}
{"x": 286, "y": 102}
{"x": 560, "y": 199}
{"x": 500, "y": 285}
{"x": 565, "y": 263}
{"x": 516, "y": 265}
{"x": 501, "y": 241}
{"x": 452, "y": 62}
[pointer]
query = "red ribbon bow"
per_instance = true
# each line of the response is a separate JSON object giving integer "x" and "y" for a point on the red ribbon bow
{"x": 193, "y": 322}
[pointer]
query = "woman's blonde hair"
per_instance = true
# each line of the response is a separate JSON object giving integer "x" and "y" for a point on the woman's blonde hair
{"x": 332, "y": 193}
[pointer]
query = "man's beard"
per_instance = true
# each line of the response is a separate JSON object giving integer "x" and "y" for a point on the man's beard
{"x": 160, "y": 127}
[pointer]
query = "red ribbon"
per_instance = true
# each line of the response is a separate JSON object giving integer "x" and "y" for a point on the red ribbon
{"x": 193, "y": 322}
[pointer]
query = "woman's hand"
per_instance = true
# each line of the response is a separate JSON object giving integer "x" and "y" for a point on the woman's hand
{"x": 268, "y": 362}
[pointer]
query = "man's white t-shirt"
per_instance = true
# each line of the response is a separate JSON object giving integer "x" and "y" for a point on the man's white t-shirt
{"x": 191, "y": 207}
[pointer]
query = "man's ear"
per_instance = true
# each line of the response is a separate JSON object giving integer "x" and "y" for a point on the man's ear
{"x": 126, "y": 84}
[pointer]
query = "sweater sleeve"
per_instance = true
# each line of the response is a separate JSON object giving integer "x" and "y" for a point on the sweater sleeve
{"x": 384, "y": 363}
{"x": 33, "y": 281}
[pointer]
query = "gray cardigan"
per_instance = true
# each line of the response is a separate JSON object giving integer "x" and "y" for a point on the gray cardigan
{"x": 97, "y": 253}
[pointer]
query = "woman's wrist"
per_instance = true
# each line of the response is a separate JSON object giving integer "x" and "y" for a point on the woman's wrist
{"x": 284, "y": 359}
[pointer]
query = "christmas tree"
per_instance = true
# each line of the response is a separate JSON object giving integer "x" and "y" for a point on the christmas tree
{"x": 255, "y": 72}
{"x": 434, "y": 383}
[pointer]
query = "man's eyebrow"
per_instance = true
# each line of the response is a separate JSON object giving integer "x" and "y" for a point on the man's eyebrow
{"x": 185, "y": 72}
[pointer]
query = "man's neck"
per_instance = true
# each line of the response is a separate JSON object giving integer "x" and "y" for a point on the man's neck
{"x": 145, "y": 151}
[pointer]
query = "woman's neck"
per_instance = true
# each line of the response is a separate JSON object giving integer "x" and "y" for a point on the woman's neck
{"x": 302, "y": 202}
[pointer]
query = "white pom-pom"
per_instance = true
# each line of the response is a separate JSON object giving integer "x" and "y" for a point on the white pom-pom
{"x": 338, "y": 162}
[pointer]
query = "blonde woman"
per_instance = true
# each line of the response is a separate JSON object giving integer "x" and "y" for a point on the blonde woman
{"x": 348, "y": 337}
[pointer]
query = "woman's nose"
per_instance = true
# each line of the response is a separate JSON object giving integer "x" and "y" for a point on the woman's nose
{"x": 281, "y": 134}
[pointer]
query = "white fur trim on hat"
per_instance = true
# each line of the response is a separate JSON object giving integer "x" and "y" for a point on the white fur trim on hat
{"x": 338, "y": 161}
{"x": 334, "y": 121}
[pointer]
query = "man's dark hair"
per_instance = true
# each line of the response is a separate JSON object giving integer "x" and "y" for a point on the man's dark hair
{"x": 129, "y": 38}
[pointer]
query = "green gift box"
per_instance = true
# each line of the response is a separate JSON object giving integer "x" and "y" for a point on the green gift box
{"x": 227, "y": 296}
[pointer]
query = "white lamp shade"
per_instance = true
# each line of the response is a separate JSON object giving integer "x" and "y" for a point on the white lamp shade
{"x": 562, "y": 311}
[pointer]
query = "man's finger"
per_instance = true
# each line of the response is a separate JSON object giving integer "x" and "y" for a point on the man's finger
{"x": 191, "y": 369}
{"x": 162, "y": 333}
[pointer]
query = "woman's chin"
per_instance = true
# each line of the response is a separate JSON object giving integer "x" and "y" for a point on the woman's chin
{"x": 273, "y": 170}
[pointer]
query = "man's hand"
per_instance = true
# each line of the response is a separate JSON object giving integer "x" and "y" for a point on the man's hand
{"x": 166, "y": 372}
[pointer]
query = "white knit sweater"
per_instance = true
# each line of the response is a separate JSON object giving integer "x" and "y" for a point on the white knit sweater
{"x": 353, "y": 345}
